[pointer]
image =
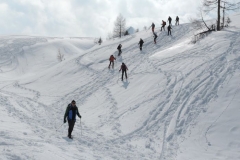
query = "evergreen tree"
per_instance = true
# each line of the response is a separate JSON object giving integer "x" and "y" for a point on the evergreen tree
{"x": 126, "y": 33}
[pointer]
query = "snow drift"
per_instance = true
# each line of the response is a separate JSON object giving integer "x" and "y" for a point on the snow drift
{"x": 180, "y": 100}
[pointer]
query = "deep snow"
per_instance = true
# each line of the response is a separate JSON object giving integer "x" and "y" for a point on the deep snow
{"x": 180, "y": 102}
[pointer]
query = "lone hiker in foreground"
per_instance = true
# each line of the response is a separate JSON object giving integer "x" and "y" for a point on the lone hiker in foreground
{"x": 140, "y": 43}
{"x": 111, "y": 59}
{"x": 119, "y": 49}
{"x": 70, "y": 114}
{"x": 124, "y": 70}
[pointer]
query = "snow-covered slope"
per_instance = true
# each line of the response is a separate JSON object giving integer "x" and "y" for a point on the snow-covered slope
{"x": 180, "y": 100}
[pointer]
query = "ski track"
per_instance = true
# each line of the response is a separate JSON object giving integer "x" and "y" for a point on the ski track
{"x": 167, "y": 122}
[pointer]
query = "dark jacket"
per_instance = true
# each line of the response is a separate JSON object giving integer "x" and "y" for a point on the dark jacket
{"x": 119, "y": 46}
{"x": 155, "y": 35}
{"x": 177, "y": 18}
{"x": 153, "y": 25}
{"x": 141, "y": 42}
{"x": 163, "y": 23}
{"x": 123, "y": 67}
{"x": 169, "y": 27}
{"x": 71, "y": 112}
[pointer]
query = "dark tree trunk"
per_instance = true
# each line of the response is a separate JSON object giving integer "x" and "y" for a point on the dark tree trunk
{"x": 223, "y": 14}
{"x": 219, "y": 16}
{"x": 120, "y": 31}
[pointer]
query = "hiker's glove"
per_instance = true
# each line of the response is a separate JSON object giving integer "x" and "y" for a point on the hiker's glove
{"x": 64, "y": 121}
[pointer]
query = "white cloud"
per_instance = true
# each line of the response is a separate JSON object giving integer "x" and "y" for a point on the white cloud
{"x": 87, "y": 17}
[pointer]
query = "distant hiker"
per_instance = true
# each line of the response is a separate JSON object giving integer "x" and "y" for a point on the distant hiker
{"x": 111, "y": 59}
{"x": 153, "y": 26}
{"x": 169, "y": 30}
{"x": 124, "y": 70}
{"x": 119, "y": 49}
{"x": 170, "y": 20}
{"x": 155, "y": 37}
{"x": 70, "y": 114}
{"x": 100, "y": 41}
{"x": 140, "y": 43}
{"x": 177, "y": 20}
{"x": 163, "y": 25}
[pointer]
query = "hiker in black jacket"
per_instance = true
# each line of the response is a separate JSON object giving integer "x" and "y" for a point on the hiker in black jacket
{"x": 124, "y": 70}
{"x": 177, "y": 20}
{"x": 169, "y": 30}
{"x": 140, "y": 43}
{"x": 70, "y": 114}
{"x": 119, "y": 49}
{"x": 170, "y": 20}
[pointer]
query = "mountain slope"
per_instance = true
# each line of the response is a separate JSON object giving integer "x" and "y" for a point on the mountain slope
{"x": 179, "y": 101}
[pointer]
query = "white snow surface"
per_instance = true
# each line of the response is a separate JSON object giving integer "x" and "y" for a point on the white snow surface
{"x": 180, "y": 101}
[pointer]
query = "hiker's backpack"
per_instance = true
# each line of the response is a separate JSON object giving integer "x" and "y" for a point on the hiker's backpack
{"x": 124, "y": 67}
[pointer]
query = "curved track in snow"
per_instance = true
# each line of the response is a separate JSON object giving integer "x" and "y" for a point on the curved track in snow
{"x": 148, "y": 116}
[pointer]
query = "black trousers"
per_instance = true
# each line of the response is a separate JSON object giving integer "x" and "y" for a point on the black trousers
{"x": 163, "y": 27}
{"x": 169, "y": 32}
{"x": 111, "y": 62}
{"x": 124, "y": 71}
{"x": 140, "y": 46}
{"x": 120, "y": 51}
{"x": 71, "y": 124}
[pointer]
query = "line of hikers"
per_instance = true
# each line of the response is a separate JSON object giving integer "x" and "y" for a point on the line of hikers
{"x": 119, "y": 48}
{"x": 164, "y": 23}
{"x": 169, "y": 28}
{"x": 72, "y": 110}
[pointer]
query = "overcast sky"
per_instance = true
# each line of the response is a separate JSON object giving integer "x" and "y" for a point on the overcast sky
{"x": 87, "y": 18}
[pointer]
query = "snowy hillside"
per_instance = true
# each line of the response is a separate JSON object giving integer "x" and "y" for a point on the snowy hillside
{"x": 180, "y": 102}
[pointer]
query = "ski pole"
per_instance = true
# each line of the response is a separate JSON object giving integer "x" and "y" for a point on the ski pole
{"x": 81, "y": 126}
{"x": 119, "y": 75}
{"x": 59, "y": 127}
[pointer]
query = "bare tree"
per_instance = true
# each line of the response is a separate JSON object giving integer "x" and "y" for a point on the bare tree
{"x": 200, "y": 24}
{"x": 120, "y": 25}
{"x": 60, "y": 56}
{"x": 202, "y": 28}
{"x": 109, "y": 36}
{"x": 210, "y": 5}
